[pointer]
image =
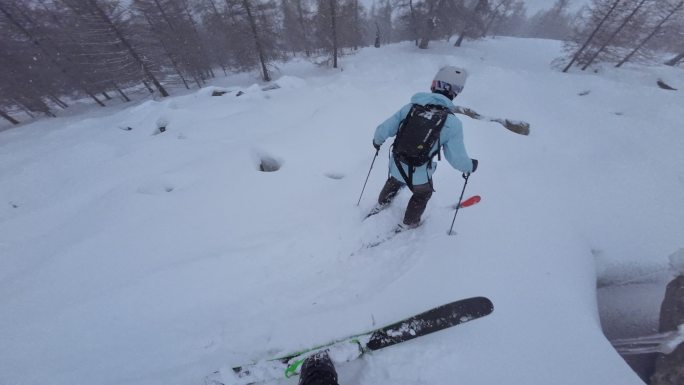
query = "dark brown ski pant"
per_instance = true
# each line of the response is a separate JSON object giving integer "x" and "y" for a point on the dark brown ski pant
{"x": 417, "y": 203}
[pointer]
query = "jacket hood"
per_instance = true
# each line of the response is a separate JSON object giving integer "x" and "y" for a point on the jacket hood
{"x": 424, "y": 98}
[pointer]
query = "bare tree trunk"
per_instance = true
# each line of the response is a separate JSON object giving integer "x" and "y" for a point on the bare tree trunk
{"x": 459, "y": 41}
{"x": 675, "y": 60}
{"x": 591, "y": 37}
{"x": 130, "y": 49}
{"x": 489, "y": 24}
{"x": 425, "y": 39}
{"x": 147, "y": 85}
{"x": 49, "y": 55}
{"x": 387, "y": 18}
{"x": 164, "y": 15}
{"x": 197, "y": 81}
{"x": 429, "y": 27}
{"x": 8, "y": 118}
{"x": 334, "y": 31}
{"x": 24, "y": 108}
{"x": 414, "y": 22}
{"x": 257, "y": 41}
{"x": 377, "y": 36}
{"x": 224, "y": 28}
{"x": 185, "y": 82}
{"x": 492, "y": 19}
{"x": 461, "y": 37}
{"x": 58, "y": 101}
{"x": 206, "y": 62}
{"x": 300, "y": 19}
{"x": 37, "y": 104}
{"x": 165, "y": 47}
{"x": 123, "y": 96}
{"x": 614, "y": 34}
{"x": 174, "y": 63}
{"x": 357, "y": 34}
{"x": 650, "y": 36}
{"x": 92, "y": 96}
{"x": 41, "y": 106}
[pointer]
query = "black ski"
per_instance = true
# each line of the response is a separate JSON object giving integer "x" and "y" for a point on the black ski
{"x": 433, "y": 320}
{"x": 347, "y": 349}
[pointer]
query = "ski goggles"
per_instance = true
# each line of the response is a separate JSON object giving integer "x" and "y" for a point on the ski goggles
{"x": 444, "y": 86}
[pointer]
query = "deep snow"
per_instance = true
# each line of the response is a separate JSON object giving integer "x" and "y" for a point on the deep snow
{"x": 130, "y": 257}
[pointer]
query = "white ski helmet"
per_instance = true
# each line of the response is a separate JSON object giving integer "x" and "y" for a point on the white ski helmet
{"x": 449, "y": 81}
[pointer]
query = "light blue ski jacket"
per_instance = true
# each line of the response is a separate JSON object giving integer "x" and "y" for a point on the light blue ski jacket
{"x": 451, "y": 139}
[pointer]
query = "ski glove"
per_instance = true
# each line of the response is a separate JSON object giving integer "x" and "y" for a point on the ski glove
{"x": 377, "y": 146}
{"x": 475, "y": 163}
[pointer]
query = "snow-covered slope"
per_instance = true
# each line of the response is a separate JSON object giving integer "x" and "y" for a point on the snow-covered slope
{"x": 128, "y": 257}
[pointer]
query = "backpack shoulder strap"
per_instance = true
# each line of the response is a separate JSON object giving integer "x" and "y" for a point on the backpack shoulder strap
{"x": 440, "y": 124}
{"x": 412, "y": 111}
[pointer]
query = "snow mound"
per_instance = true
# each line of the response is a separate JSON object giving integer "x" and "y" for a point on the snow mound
{"x": 291, "y": 82}
{"x": 677, "y": 261}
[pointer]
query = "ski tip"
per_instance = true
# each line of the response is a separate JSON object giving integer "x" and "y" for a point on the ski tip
{"x": 471, "y": 201}
{"x": 488, "y": 303}
{"x": 480, "y": 306}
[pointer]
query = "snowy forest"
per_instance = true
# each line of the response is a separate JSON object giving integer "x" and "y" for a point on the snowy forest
{"x": 54, "y": 51}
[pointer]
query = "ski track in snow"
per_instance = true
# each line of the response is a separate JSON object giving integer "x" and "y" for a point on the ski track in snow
{"x": 141, "y": 257}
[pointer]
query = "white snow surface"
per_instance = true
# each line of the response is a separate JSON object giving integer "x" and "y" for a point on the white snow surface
{"x": 139, "y": 257}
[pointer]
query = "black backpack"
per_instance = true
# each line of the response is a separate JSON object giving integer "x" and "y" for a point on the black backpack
{"x": 417, "y": 134}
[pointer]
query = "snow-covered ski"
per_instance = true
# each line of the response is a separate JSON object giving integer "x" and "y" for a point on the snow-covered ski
{"x": 397, "y": 230}
{"x": 375, "y": 210}
{"x": 518, "y": 126}
{"x": 400, "y": 229}
{"x": 350, "y": 348}
{"x": 466, "y": 203}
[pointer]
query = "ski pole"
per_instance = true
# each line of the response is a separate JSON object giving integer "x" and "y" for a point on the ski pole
{"x": 369, "y": 172}
{"x": 465, "y": 176}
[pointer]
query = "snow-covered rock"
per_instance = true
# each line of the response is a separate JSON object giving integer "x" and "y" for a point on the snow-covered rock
{"x": 677, "y": 261}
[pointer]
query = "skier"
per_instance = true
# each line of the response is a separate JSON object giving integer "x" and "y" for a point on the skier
{"x": 318, "y": 369}
{"x": 421, "y": 128}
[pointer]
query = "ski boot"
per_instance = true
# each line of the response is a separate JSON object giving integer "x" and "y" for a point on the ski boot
{"x": 318, "y": 369}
